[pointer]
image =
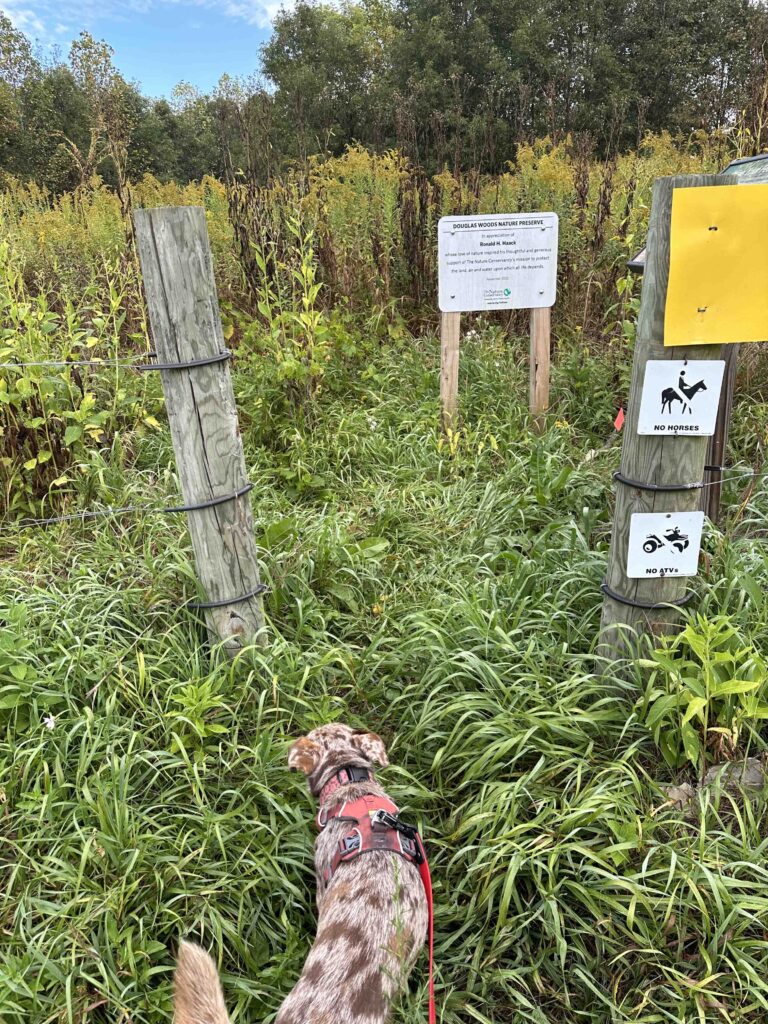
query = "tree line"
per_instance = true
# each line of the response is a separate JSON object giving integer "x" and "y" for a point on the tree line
{"x": 456, "y": 83}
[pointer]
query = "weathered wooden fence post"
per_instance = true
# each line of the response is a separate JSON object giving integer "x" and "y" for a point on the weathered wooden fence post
{"x": 541, "y": 319}
{"x": 186, "y": 329}
{"x": 657, "y": 460}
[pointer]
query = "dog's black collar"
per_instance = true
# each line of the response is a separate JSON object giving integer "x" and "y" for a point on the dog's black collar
{"x": 353, "y": 774}
{"x": 343, "y": 777}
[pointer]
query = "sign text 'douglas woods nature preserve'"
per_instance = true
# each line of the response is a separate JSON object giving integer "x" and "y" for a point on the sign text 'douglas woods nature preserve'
{"x": 497, "y": 261}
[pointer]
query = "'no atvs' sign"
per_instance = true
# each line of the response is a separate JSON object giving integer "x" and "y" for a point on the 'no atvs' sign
{"x": 664, "y": 544}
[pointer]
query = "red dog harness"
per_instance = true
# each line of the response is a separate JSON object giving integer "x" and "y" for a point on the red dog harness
{"x": 377, "y": 826}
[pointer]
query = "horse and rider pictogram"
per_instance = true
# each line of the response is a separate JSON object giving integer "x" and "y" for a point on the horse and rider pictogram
{"x": 683, "y": 393}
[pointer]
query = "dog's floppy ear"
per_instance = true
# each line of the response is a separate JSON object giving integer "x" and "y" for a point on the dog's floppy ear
{"x": 304, "y": 755}
{"x": 371, "y": 746}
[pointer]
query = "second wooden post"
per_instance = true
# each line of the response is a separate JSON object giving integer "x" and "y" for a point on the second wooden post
{"x": 660, "y": 463}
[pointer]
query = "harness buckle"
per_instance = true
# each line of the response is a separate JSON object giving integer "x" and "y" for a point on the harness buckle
{"x": 382, "y": 820}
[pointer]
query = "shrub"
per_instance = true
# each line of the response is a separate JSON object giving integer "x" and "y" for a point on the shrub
{"x": 707, "y": 691}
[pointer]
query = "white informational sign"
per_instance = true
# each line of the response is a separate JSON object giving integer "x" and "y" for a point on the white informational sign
{"x": 664, "y": 544}
{"x": 680, "y": 396}
{"x": 497, "y": 261}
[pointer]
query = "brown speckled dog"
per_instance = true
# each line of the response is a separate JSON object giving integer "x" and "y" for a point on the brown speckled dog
{"x": 372, "y": 913}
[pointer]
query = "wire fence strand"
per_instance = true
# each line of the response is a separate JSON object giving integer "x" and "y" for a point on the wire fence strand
{"x": 157, "y": 510}
{"x": 128, "y": 364}
{"x": 217, "y": 357}
{"x": 151, "y": 509}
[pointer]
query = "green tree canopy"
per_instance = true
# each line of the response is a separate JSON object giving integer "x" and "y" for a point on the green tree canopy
{"x": 452, "y": 82}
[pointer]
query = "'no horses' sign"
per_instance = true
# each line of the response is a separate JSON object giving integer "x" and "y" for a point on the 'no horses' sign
{"x": 680, "y": 396}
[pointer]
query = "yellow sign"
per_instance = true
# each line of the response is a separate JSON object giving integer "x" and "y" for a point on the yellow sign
{"x": 718, "y": 266}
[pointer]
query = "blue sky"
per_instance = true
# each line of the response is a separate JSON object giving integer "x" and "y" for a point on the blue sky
{"x": 156, "y": 42}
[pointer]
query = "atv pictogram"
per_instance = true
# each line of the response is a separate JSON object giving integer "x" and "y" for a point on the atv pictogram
{"x": 673, "y": 536}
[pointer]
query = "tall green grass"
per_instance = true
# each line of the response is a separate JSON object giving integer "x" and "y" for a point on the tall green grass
{"x": 444, "y": 592}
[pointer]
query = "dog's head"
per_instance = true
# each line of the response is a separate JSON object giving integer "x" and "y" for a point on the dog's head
{"x": 323, "y": 751}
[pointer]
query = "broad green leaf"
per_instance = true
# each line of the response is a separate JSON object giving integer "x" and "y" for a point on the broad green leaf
{"x": 691, "y": 743}
{"x": 696, "y": 705}
{"x": 735, "y": 686}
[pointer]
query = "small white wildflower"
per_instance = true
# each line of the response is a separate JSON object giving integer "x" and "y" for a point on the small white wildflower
{"x": 49, "y": 722}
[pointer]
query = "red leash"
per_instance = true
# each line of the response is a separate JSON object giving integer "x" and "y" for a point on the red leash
{"x": 427, "y": 880}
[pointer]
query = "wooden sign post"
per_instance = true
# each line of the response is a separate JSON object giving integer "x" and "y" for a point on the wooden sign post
{"x": 541, "y": 343}
{"x": 450, "y": 330}
{"x": 496, "y": 261}
{"x": 659, "y": 472}
{"x": 719, "y": 440}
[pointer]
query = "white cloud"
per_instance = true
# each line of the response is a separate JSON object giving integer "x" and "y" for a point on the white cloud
{"x": 23, "y": 16}
{"x": 255, "y": 12}
{"x": 45, "y": 19}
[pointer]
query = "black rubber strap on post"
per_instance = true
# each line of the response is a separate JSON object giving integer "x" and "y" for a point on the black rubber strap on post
{"x": 620, "y": 478}
{"x": 646, "y": 605}
{"x": 212, "y": 502}
{"x": 199, "y": 605}
{"x": 220, "y": 357}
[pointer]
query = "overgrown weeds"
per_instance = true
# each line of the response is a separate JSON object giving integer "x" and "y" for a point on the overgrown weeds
{"x": 444, "y": 592}
{"x": 55, "y": 418}
{"x": 374, "y": 219}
